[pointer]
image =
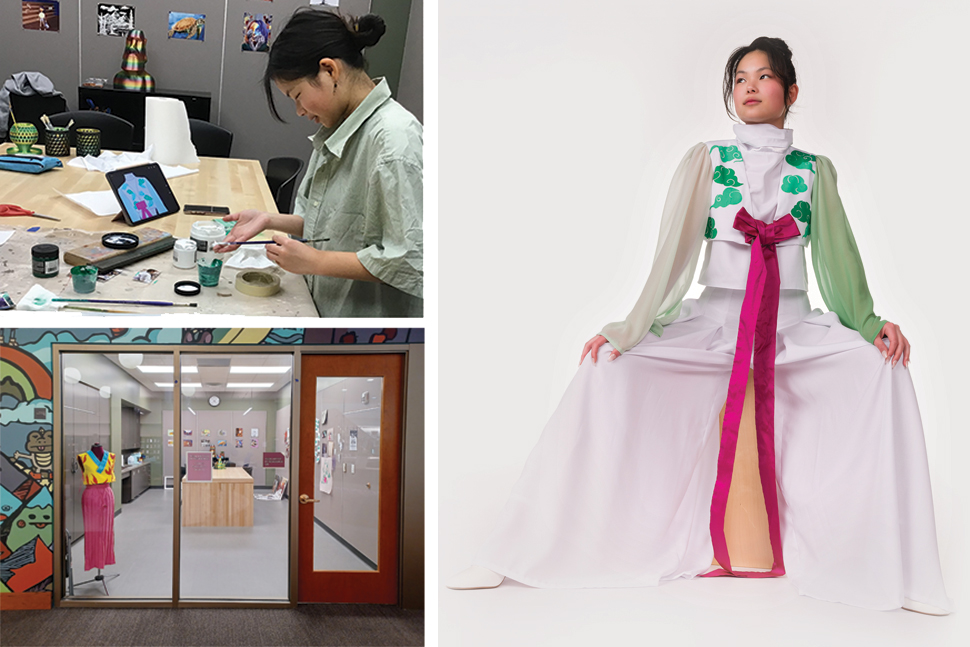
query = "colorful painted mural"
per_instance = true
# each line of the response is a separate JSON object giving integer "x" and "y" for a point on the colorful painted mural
{"x": 26, "y": 424}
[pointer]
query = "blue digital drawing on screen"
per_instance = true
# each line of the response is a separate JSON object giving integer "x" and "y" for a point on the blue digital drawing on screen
{"x": 139, "y": 197}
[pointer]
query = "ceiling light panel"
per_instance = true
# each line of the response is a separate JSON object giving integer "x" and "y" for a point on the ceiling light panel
{"x": 260, "y": 370}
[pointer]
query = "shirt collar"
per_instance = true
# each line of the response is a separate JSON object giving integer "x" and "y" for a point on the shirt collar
{"x": 335, "y": 139}
{"x": 758, "y": 135}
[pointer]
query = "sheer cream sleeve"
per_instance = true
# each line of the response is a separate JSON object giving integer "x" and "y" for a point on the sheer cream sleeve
{"x": 678, "y": 247}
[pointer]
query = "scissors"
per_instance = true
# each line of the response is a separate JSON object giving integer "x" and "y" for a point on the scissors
{"x": 14, "y": 210}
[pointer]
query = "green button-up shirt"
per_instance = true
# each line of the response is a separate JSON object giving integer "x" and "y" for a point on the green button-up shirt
{"x": 363, "y": 190}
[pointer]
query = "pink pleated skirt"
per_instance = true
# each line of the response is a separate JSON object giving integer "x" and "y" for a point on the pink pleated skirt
{"x": 98, "y": 508}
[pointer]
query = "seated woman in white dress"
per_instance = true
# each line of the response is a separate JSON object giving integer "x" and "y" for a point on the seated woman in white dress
{"x": 843, "y": 460}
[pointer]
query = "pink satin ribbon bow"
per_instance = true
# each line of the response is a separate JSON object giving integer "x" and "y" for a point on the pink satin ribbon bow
{"x": 760, "y": 305}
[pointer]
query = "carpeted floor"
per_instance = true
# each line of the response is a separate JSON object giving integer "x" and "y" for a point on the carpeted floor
{"x": 321, "y": 624}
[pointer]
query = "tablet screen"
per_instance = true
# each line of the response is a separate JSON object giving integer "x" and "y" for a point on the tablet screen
{"x": 143, "y": 193}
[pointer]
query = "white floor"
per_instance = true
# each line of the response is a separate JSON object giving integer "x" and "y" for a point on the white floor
{"x": 224, "y": 563}
{"x": 704, "y": 612}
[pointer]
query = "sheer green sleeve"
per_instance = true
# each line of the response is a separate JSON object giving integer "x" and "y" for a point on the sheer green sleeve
{"x": 678, "y": 247}
{"x": 835, "y": 257}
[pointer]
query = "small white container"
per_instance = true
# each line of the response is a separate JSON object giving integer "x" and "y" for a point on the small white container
{"x": 183, "y": 254}
{"x": 206, "y": 234}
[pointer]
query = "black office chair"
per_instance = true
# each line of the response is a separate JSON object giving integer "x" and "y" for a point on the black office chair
{"x": 210, "y": 140}
{"x": 117, "y": 134}
{"x": 281, "y": 175}
{"x": 30, "y": 109}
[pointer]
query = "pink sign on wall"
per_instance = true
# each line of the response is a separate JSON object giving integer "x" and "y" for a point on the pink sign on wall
{"x": 198, "y": 466}
{"x": 273, "y": 459}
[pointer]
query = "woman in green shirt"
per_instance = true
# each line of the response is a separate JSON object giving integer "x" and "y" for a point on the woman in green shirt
{"x": 363, "y": 185}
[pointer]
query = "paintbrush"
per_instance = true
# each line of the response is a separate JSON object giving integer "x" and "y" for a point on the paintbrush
{"x": 121, "y": 312}
{"x": 47, "y": 121}
{"x": 123, "y": 302}
{"x": 270, "y": 242}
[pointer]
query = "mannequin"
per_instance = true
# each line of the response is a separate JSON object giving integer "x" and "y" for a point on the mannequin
{"x": 98, "y": 507}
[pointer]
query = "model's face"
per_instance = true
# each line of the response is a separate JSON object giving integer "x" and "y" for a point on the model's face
{"x": 759, "y": 97}
{"x": 315, "y": 99}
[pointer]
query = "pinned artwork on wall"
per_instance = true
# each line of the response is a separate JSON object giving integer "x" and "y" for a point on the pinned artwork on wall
{"x": 186, "y": 26}
{"x": 318, "y": 441}
{"x": 115, "y": 19}
{"x": 188, "y": 432}
{"x": 353, "y": 440}
{"x": 254, "y": 442}
{"x": 223, "y": 443}
{"x": 205, "y": 432}
{"x": 254, "y": 432}
{"x": 170, "y": 442}
{"x": 239, "y": 444}
{"x": 326, "y": 475}
{"x": 222, "y": 432}
{"x": 171, "y": 433}
{"x": 205, "y": 443}
{"x": 256, "y": 32}
{"x": 41, "y": 16}
{"x": 187, "y": 443}
{"x": 239, "y": 432}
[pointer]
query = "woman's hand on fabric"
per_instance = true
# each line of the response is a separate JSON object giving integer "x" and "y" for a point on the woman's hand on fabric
{"x": 294, "y": 256}
{"x": 248, "y": 223}
{"x": 592, "y": 347}
{"x": 898, "y": 344}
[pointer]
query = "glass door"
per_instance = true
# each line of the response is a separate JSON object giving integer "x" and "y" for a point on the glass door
{"x": 350, "y": 468}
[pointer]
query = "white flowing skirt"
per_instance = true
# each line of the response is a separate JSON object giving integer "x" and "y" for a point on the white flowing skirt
{"x": 617, "y": 491}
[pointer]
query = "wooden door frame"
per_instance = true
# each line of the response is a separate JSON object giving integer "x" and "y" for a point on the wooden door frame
{"x": 297, "y": 351}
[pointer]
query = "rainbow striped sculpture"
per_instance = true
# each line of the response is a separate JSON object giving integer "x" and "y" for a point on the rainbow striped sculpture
{"x": 133, "y": 75}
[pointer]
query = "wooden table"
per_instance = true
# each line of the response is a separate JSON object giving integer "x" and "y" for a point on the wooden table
{"x": 225, "y": 501}
{"x": 235, "y": 183}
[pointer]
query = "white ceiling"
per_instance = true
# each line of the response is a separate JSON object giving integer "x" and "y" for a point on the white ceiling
{"x": 213, "y": 372}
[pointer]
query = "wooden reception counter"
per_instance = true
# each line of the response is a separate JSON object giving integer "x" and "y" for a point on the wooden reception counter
{"x": 225, "y": 501}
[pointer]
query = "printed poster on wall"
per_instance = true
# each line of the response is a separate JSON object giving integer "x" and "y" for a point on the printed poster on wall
{"x": 41, "y": 16}
{"x": 254, "y": 433}
{"x": 115, "y": 19}
{"x": 326, "y": 475}
{"x": 186, "y": 26}
{"x": 256, "y": 32}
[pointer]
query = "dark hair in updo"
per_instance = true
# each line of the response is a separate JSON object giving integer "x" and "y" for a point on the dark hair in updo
{"x": 313, "y": 34}
{"x": 779, "y": 58}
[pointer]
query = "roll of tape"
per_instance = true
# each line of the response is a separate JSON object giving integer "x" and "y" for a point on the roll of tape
{"x": 257, "y": 283}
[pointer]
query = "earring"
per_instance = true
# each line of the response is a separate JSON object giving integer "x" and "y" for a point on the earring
{"x": 335, "y": 87}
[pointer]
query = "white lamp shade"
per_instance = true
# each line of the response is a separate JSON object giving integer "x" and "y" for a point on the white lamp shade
{"x": 105, "y": 392}
{"x": 188, "y": 391}
{"x": 72, "y": 375}
{"x": 130, "y": 360}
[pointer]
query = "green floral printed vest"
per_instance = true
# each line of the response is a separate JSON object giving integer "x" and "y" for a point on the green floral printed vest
{"x": 729, "y": 192}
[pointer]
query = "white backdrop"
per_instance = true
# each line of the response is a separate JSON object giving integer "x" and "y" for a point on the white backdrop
{"x": 561, "y": 124}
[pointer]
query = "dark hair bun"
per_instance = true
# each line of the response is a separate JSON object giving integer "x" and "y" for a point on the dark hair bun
{"x": 368, "y": 30}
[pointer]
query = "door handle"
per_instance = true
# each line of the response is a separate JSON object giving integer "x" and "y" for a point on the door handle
{"x": 306, "y": 499}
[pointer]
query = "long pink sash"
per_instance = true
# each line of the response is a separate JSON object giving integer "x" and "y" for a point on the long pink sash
{"x": 760, "y": 305}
